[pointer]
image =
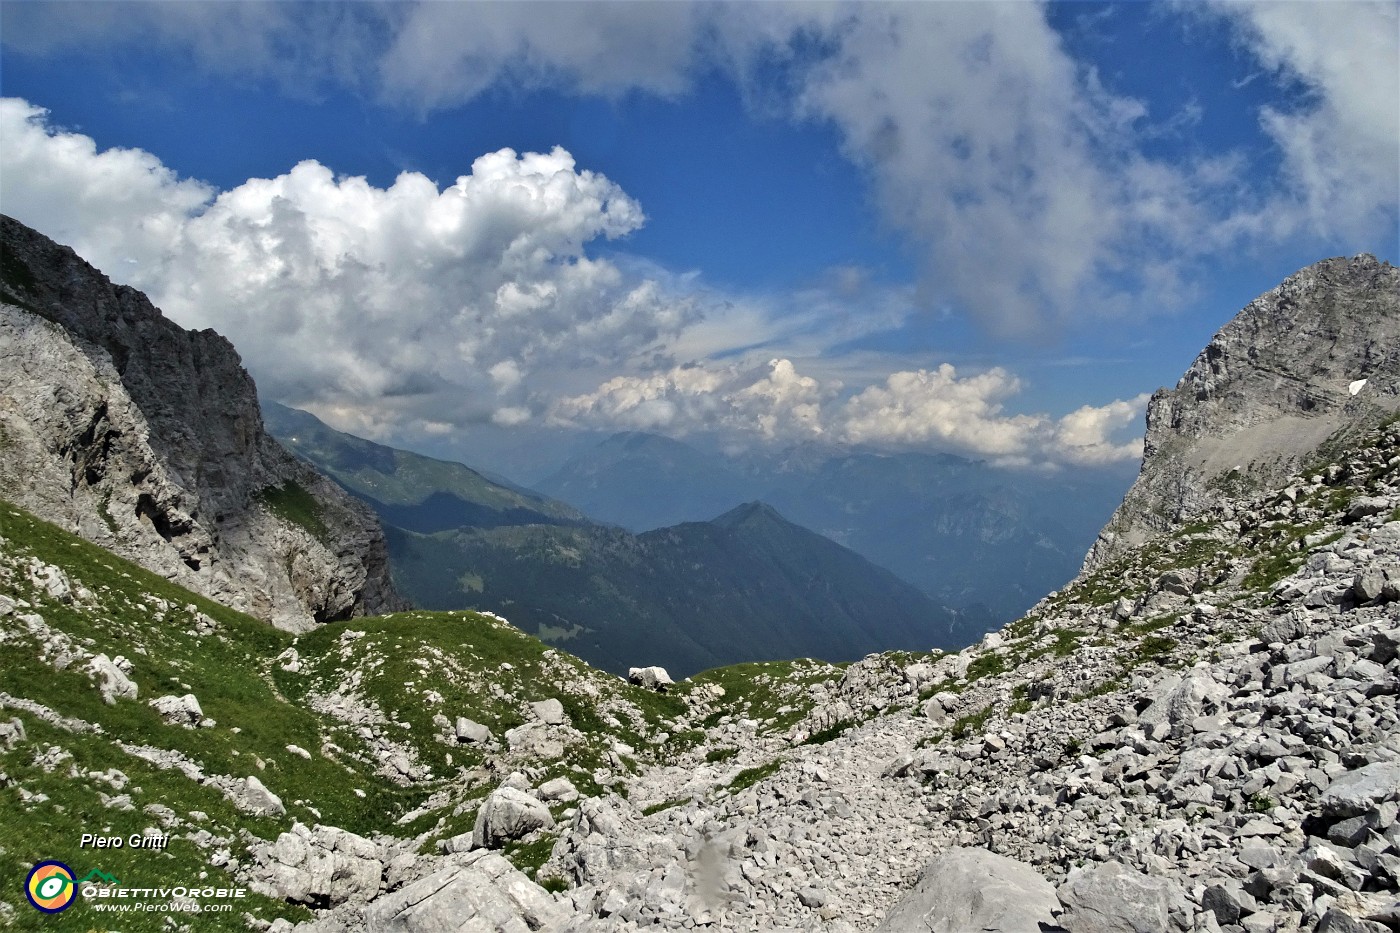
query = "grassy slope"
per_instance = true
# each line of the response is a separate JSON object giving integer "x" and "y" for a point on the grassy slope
{"x": 409, "y": 490}
{"x": 409, "y": 665}
{"x": 688, "y": 598}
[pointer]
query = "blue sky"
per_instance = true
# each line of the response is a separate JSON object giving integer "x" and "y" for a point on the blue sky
{"x": 986, "y": 228}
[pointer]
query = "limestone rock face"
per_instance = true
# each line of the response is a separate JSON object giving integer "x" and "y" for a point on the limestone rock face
{"x": 323, "y": 865}
{"x": 146, "y": 438}
{"x": 1317, "y": 355}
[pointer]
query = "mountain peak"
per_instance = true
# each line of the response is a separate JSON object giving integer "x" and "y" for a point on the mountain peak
{"x": 1312, "y": 359}
{"x": 750, "y": 513}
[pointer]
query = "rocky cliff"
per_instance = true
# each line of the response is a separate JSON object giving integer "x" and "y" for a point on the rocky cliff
{"x": 146, "y": 438}
{"x": 1314, "y": 360}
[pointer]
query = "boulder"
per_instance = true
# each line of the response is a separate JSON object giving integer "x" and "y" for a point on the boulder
{"x": 652, "y": 678}
{"x": 115, "y": 684}
{"x": 1359, "y": 791}
{"x": 1366, "y": 505}
{"x": 179, "y": 711}
{"x": 550, "y": 712}
{"x": 560, "y": 789}
{"x": 506, "y": 815}
{"x": 1178, "y": 702}
{"x": 479, "y": 891}
{"x": 11, "y": 733}
{"x": 256, "y": 798}
{"x": 1111, "y": 898}
{"x": 468, "y": 730}
{"x": 974, "y": 889}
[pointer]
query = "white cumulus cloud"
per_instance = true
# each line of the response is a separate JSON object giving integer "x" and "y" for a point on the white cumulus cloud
{"x": 919, "y": 407}
{"x": 409, "y": 298}
{"x": 926, "y": 409}
{"x": 1025, "y": 185}
{"x": 771, "y": 401}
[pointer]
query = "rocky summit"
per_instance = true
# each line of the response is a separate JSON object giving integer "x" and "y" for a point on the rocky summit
{"x": 1310, "y": 362}
{"x": 146, "y": 438}
{"x": 1199, "y": 734}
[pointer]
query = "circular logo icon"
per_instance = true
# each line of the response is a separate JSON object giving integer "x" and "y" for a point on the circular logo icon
{"x": 50, "y": 887}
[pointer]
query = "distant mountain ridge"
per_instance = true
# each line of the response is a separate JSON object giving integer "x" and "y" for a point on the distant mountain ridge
{"x": 409, "y": 490}
{"x": 748, "y": 585}
{"x": 965, "y": 533}
{"x": 745, "y": 586}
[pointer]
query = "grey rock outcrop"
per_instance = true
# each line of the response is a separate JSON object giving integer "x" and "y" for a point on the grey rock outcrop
{"x": 1110, "y": 898}
{"x": 324, "y": 866}
{"x": 179, "y": 710}
{"x": 1272, "y": 386}
{"x": 973, "y": 889}
{"x": 506, "y": 815}
{"x": 652, "y": 678}
{"x": 146, "y": 438}
{"x": 480, "y": 891}
{"x": 114, "y": 683}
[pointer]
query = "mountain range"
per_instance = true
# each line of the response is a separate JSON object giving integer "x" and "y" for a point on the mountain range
{"x": 1198, "y": 733}
{"x": 969, "y": 535}
{"x": 747, "y": 585}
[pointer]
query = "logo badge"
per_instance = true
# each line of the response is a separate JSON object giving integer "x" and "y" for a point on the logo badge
{"x": 50, "y": 887}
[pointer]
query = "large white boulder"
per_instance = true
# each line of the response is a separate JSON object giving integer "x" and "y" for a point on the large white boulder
{"x": 179, "y": 711}
{"x": 506, "y": 815}
{"x": 114, "y": 682}
{"x": 652, "y": 678}
{"x": 974, "y": 889}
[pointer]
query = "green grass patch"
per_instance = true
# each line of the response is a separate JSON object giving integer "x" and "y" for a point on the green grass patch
{"x": 530, "y": 856}
{"x": 1066, "y": 641}
{"x": 972, "y": 722}
{"x": 1155, "y": 648}
{"x": 988, "y": 665}
{"x": 823, "y": 736}
{"x": 1103, "y": 689}
{"x": 1147, "y": 627}
{"x": 775, "y": 693}
{"x": 290, "y": 502}
{"x": 553, "y": 884}
{"x": 948, "y": 685}
{"x": 664, "y": 805}
{"x": 751, "y": 776}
